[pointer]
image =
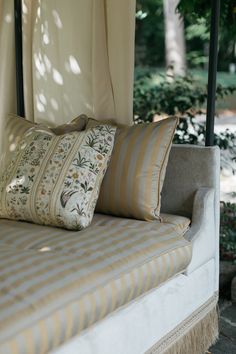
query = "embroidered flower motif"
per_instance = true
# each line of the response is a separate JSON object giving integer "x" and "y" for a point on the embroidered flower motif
{"x": 75, "y": 175}
{"x": 99, "y": 157}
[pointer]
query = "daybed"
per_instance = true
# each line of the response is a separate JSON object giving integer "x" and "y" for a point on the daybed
{"x": 121, "y": 286}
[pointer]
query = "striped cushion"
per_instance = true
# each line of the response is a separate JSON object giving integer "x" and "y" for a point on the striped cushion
{"x": 15, "y": 127}
{"x": 56, "y": 283}
{"x": 55, "y": 180}
{"x": 179, "y": 223}
{"x": 133, "y": 181}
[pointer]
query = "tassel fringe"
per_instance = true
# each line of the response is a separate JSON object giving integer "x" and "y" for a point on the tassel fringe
{"x": 194, "y": 335}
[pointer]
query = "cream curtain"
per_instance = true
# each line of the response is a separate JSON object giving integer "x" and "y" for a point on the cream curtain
{"x": 7, "y": 64}
{"x": 78, "y": 58}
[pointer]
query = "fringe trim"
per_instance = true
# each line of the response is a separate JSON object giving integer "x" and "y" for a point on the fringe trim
{"x": 194, "y": 335}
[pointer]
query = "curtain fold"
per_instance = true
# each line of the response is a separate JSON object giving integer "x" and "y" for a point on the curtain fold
{"x": 7, "y": 65}
{"x": 81, "y": 58}
{"x": 120, "y": 39}
{"x": 78, "y": 57}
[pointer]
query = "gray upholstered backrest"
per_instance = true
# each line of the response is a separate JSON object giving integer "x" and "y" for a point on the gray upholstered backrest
{"x": 189, "y": 168}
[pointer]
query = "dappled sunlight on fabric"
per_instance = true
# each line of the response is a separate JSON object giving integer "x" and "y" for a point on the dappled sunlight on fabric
{"x": 45, "y": 249}
{"x": 24, "y": 8}
{"x": 42, "y": 98}
{"x": 25, "y": 14}
{"x": 73, "y": 66}
{"x": 89, "y": 106}
{"x": 45, "y": 33}
{"x": 15, "y": 183}
{"x": 39, "y": 64}
{"x": 47, "y": 63}
{"x": 57, "y": 77}
{"x": 8, "y": 18}
{"x": 46, "y": 39}
{"x": 38, "y": 13}
{"x": 57, "y": 19}
{"x": 40, "y": 104}
{"x": 54, "y": 104}
{"x": 12, "y": 147}
{"x": 64, "y": 62}
{"x": 11, "y": 137}
{"x": 13, "y": 140}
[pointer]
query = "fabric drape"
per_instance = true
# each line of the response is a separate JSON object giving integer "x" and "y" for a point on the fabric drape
{"x": 7, "y": 65}
{"x": 78, "y": 58}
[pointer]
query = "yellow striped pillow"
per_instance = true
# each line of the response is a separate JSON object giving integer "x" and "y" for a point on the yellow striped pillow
{"x": 133, "y": 181}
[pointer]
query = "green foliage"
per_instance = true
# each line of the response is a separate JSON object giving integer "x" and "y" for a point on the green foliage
{"x": 198, "y": 29}
{"x": 150, "y": 43}
{"x": 196, "y": 9}
{"x": 169, "y": 97}
{"x": 197, "y": 38}
{"x": 197, "y": 14}
{"x": 196, "y": 58}
{"x": 150, "y": 32}
{"x": 182, "y": 96}
{"x": 185, "y": 98}
{"x": 228, "y": 231}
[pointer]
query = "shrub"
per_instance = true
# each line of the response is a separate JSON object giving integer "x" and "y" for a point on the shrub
{"x": 169, "y": 97}
{"x": 186, "y": 98}
{"x": 228, "y": 232}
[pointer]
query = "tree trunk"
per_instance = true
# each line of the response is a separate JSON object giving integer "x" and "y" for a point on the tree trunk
{"x": 174, "y": 39}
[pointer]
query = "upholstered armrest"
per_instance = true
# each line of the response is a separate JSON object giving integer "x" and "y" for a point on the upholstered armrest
{"x": 189, "y": 168}
{"x": 191, "y": 189}
{"x": 204, "y": 233}
{"x": 201, "y": 205}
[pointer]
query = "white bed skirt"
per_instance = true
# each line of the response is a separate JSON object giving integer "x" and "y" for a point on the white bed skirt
{"x": 136, "y": 327}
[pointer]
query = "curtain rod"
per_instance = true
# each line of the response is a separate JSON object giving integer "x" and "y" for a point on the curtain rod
{"x": 19, "y": 58}
{"x": 212, "y": 72}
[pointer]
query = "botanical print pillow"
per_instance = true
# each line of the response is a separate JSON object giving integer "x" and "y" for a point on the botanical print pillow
{"x": 16, "y": 126}
{"x": 55, "y": 180}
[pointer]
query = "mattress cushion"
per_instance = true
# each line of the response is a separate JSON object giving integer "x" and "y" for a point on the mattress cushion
{"x": 56, "y": 283}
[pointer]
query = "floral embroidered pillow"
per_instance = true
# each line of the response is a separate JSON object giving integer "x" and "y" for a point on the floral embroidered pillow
{"x": 55, "y": 180}
{"x": 15, "y": 126}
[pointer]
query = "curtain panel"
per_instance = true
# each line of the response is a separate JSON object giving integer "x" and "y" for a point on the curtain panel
{"x": 7, "y": 65}
{"x": 78, "y": 57}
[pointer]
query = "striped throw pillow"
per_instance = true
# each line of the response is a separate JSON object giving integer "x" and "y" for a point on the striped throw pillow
{"x": 134, "y": 179}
